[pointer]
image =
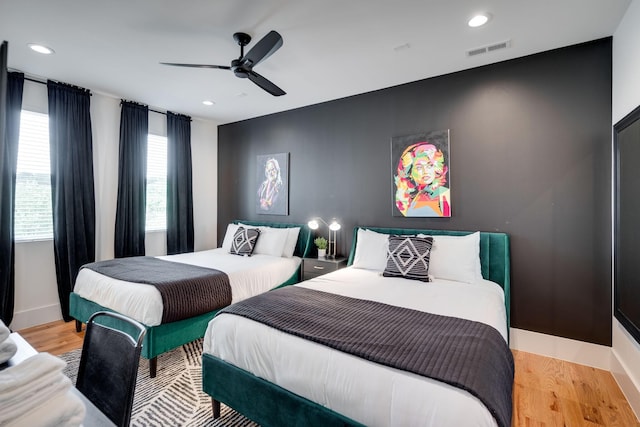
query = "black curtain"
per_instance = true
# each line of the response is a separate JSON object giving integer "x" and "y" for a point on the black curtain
{"x": 179, "y": 185}
{"x": 9, "y": 139}
{"x": 72, "y": 190}
{"x": 132, "y": 180}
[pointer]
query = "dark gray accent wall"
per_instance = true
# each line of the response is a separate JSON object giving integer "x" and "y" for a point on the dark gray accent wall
{"x": 530, "y": 156}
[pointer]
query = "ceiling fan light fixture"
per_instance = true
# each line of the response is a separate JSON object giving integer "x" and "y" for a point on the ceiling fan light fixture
{"x": 479, "y": 20}
{"x": 41, "y": 48}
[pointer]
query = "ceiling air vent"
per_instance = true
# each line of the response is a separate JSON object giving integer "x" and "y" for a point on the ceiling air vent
{"x": 489, "y": 48}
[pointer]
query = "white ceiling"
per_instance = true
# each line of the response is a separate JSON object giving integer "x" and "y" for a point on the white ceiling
{"x": 332, "y": 48}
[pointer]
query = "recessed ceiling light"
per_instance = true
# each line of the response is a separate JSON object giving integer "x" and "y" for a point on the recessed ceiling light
{"x": 208, "y": 102}
{"x": 41, "y": 48}
{"x": 479, "y": 20}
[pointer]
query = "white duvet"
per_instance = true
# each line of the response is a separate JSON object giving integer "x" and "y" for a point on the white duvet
{"x": 248, "y": 276}
{"x": 366, "y": 392}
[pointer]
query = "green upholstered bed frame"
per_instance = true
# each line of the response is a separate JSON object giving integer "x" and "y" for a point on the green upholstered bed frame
{"x": 162, "y": 338}
{"x": 271, "y": 405}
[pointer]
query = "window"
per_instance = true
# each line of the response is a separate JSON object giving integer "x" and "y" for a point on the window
{"x": 33, "y": 213}
{"x": 156, "y": 216}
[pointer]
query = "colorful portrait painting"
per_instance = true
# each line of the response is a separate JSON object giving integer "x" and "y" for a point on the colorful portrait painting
{"x": 420, "y": 168}
{"x": 272, "y": 184}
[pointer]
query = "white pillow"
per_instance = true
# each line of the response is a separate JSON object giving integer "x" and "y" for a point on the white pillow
{"x": 228, "y": 236}
{"x": 456, "y": 258}
{"x": 271, "y": 240}
{"x": 371, "y": 250}
{"x": 292, "y": 240}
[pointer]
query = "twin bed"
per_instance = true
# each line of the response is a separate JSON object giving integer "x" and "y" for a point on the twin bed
{"x": 247, "y": 276}
{"x": 354, "y": 347}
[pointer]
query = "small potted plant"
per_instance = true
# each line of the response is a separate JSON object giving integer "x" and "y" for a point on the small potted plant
{"x": 321, "y": 243}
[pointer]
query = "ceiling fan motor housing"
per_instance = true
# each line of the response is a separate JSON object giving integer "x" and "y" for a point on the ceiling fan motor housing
{"x": 238, "y": 69}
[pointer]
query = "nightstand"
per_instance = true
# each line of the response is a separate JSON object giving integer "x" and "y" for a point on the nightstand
{"x": 314, "y": 267}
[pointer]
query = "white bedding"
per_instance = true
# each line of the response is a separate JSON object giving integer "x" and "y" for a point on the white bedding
{"x": 366, "y": 392}
{"x": 248, "y": 276}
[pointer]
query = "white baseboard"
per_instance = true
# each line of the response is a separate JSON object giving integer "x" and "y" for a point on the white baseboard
{"x": 626, "y": 365}
{"x": 630, "y": 390}
{"x": 36, "y": 316}
{"x": 583, "y": 353}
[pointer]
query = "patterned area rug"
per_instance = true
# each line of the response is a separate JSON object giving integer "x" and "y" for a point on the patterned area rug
{"x": 174, "y": 397}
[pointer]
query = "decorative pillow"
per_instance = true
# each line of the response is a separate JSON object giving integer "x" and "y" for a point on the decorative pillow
{"x": 371, "y": 250}
{"x": 244, "y": 241}
{"x": 272, "y": 240}
{"x": 456, "y": 258}
{"x": 292, "y": 240}
{"x": 228, "y": 237}
{"x": 408, "y": 257}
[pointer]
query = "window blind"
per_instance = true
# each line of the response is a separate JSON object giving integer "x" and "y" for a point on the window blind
{"x": 33, "y": 213}
{"x": 156, "y": 214}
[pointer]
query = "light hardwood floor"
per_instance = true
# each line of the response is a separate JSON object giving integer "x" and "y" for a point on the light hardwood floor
{"x": 546, "y": 391}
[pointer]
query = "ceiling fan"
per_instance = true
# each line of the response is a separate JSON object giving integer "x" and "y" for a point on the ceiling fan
{"x": 243, "y": 66}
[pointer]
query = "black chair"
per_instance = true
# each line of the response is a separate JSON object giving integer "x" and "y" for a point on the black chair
{"x": 109, "y": 364}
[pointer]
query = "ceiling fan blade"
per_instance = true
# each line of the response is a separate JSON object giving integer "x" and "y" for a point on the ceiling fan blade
{"x": 263, "y": 49}
{"x": 265, "y": 84}
{"x": 222, "y": 67}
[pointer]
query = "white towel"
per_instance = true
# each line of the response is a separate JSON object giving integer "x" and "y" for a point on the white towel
{"x": 63, "y": 410}
{"x": 7, "y": 349}
{"x": 28, "y": 371}
{"x": 4, "y": 331}
{"x": 30, "y": 398}
{"x": 30, "y": 383}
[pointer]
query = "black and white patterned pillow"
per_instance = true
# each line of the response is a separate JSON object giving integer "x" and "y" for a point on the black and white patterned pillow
{"x": 408, "y": 257}
{"x": 244, "y": 241}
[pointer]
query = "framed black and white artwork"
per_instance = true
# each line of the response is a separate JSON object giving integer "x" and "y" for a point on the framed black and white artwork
{"x": 272, "y": 184}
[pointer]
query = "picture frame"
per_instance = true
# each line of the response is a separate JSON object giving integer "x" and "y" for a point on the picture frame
{"x": 272, "y": 184}
{"x": 420, "y": 174}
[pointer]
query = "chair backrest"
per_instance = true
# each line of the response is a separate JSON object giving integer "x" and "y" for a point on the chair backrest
{"x": 109, "y": 364}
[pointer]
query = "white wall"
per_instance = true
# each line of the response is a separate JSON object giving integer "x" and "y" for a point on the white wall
{"x": 36, "y": 299}
{"x": 626, "y": 97}
{"x": 204, "y": 152}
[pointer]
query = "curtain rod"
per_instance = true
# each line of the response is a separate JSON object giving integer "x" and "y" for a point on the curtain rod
{"x": 34, "y": 80}
{"x": 151, "y": 109}
{"x": 142, "y": 105}
{"x": 44, "y": 83}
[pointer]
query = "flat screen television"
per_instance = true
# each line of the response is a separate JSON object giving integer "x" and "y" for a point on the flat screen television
{"x": 627, "y": 222}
